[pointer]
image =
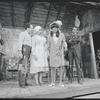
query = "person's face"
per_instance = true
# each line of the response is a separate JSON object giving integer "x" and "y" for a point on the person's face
{"x": 30, "y": 29}
{"x": 54, "y": 29}
{"x": 74, "y": 31}
{"x": 40, "y": 31}
{"x": 44, "y": 33}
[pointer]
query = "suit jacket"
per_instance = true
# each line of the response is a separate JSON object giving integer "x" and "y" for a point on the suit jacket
{"x": 74, "y": 43}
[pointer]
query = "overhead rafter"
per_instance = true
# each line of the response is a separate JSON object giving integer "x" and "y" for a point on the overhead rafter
{"x": 30, "y": 5}
{"x": 46, "y": 7}
{"x": 71, "y": 13}
{"x": 59, "y": 12}
{"x": 12, "y": 13}
{"x": 49, "y": 10}
{"x": 69, "y": 21}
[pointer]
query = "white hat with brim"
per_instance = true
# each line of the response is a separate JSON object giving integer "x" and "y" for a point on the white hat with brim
{"x": 57, "y": 23}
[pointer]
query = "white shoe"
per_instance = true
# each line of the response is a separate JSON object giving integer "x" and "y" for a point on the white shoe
{"x": 61, "y": 84}
{"x": 52, "y": 84}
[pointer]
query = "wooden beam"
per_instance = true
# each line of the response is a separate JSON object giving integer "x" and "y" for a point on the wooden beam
{"x": 46, "y": 7}
{"x": 69, "y": 22}
{"x": 12, "y": 14}
{"x": 48, "y": 14}
{"x": 59, "y": 12}
{"x": 30, "y": 5}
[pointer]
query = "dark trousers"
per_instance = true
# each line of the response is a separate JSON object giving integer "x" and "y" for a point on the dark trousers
{"x": 25, "y": 64}
{"x": 73, "y": 56}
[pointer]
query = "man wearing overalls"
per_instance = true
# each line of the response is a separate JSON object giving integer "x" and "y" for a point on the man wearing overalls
{"x": 24, "y": 50}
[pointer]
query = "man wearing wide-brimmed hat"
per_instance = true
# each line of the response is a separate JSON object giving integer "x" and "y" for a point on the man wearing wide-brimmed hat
{"x": 56, "y": 47}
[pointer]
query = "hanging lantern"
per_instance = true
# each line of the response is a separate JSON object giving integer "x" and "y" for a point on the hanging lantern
{"x": 77, "y": 21}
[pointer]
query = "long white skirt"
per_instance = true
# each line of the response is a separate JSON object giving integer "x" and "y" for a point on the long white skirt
{"x": 39, "y": 65}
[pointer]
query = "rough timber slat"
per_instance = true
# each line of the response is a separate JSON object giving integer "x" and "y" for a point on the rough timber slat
{"x": 11, "y": 89}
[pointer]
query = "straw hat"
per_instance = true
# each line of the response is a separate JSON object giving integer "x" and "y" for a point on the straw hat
{"x": 57, "y": 24}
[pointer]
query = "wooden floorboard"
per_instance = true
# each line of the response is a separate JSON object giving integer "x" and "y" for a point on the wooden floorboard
{"x": 11, "y": 89}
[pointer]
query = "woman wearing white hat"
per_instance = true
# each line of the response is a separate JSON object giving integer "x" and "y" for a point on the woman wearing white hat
{"x": 56, "y": 46}
{"x": 39, "y": 62}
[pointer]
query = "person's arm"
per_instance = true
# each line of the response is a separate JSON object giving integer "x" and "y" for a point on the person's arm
{"x": 76, "y": 39}
{"x": 48, "y": 43}
{"x": 64, "y": 43}
{"x": 69, "y": 40}
{"x": 33, "y": 45}
{"x": 20, "y": 43}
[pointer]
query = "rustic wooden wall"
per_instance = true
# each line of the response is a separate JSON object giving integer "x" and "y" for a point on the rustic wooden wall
{"x": 10, "y": 37}
{"x": 91, "y": 20}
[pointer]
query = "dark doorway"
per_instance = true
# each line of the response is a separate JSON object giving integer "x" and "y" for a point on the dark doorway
{"x": 86, "y": 56}
{"x": 96, "y": 40}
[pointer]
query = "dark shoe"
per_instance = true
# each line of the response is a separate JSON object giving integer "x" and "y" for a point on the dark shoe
{"x": 38, "y": 84}
{"x": 22, "y": 86}
{"x": 69, "y": 82}
{"x": 80, "y": 82}
{"x": 27, "y": 84}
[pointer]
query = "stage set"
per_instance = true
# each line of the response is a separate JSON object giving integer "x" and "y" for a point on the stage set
{"x": 14, "y": 15}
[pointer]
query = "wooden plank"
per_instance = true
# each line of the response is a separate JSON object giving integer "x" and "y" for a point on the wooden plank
{"x": 7, "y": 22}
{"x": 6, "y": 89}
{"x": 42, "y": 18}
{"x": 40, "y": 9}
{"x": 19, "y": 16}
{"x": 15, "y": 91}
{"x": 37, "y": 15}
{"x": 40, "y": 12}
{"x": 6, "y": 16}
{"x": 19, "y": 13}
{"x": 19, "y": 4}
{"x": 25, "y": 92}
{"x": 20, "y": 19}
{"x": 19, "y": 9}
{"x": 5, "y": 3}
{"x": 38, "y": 22}
{"x": 45, "y": 5}
{"x": 20, "y": 23}
{"x": 5, "y": 7}
{"x": 6, "y": 19}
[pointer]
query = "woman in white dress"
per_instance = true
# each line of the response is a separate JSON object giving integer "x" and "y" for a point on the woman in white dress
{"x": 39, "y": 62}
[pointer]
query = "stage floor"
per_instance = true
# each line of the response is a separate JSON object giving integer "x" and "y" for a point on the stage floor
{"x": 11, "y": 89}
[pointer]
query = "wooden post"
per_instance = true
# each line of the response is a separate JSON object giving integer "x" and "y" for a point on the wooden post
{"x": 93, "y": 60}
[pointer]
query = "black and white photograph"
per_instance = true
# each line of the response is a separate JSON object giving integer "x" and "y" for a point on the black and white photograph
{"x": 49, "y": 49}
